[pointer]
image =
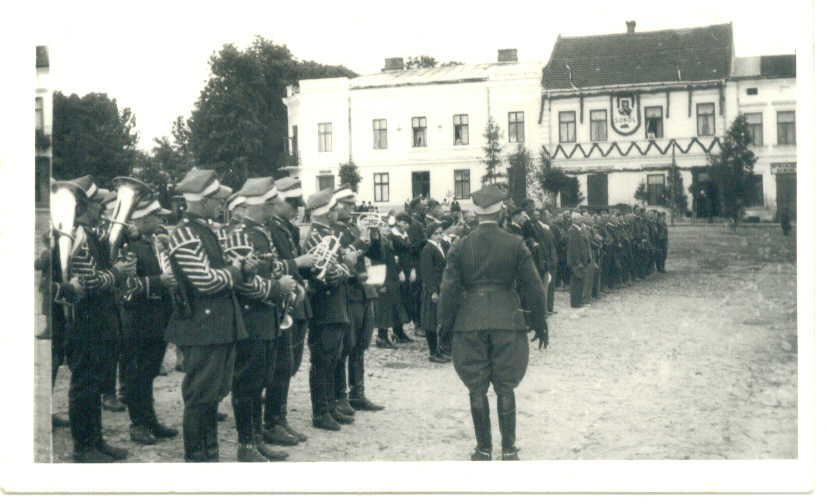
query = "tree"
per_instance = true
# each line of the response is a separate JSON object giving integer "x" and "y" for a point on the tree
{"x": 349, "y": 174}
{"x": 451, "y": 63}
{"x": 642, "y": 192}
{"x": 92, "y": 136}
{"x": 680, "y": 203}
{"x": 520, "y": 164}
{"x": 732, "y": 169}
{"x": 239, "y": 121}
{"x": 571, "y": 194}
{"x": 493, "y": 155}
{"x": 553, "y": 180}
{"x": 423, "y": 61}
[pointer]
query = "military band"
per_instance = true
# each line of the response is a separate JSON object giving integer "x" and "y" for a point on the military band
{"x": 239, "y": 300}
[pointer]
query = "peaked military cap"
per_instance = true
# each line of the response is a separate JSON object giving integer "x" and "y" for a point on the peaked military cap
{"x": 487, "y": 200}
{"x": 321, "y": 202}
{"x": 149, "y": 207}
{"x": 289, "y": 187}
{"x": 198, "y": 183}
{"x": 235, "y": 200}
{"x": 257, "y": 191}
{"x": 344, "y": 193}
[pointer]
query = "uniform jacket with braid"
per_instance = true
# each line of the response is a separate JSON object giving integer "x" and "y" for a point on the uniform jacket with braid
{"x": 285, "y": 238}
{"x": 328, "y": 296}
{"x": 96, "y": 313}
{"x": 147, "y": 304}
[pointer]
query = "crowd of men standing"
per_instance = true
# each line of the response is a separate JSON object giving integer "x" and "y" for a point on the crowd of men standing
{"x": 240, "y": 295}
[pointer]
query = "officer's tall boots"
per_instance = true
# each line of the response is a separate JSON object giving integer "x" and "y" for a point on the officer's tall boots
{"x": 341, "y": 404}
{"x": 356, "y": 377}
{"x": 507, "y": 413}
{"x": 247, "y": 447}
{"x": 275, "y": 410}
{"x": 195, "y": 448}
{"x": 481, "y": 416}
{"x": 318, "y": 397}
{"x": 258, "y": 434}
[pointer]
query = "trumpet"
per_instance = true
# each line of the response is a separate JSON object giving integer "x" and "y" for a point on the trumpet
{"x": 287, "y": 308}
{"x": 324, "y": 254}
{"x": 178, "y": 294}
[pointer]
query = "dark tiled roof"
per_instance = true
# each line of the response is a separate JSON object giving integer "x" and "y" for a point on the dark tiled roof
{"x": 703, "y": 53}
{"x": 778, "y": 66}
{"x": 42, "y": 56}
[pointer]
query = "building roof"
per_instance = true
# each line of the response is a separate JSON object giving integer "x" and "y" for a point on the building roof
{"x": 781, "y": 66}
{"x": 698, "y": 54}
{"x": 42, "y": 56}
{"x": 446, "y": 74}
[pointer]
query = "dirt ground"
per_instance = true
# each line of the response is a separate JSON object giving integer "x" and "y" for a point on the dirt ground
{"x": 696, "y": 363}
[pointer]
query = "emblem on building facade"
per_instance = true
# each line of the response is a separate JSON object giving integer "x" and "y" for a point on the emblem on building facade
{"x": 625, "y": 113}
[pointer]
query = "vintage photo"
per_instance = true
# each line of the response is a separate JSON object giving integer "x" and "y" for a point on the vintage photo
{"x": 426, "y": 237}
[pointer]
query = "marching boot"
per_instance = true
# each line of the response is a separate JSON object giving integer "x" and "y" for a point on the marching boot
{"x": 210, "y": 432}
{"x": 263, "y": 449}
{"x": 282, "y": 417}
{"x": 343, "y": 407}
{"x": 481, "y": 416}
{"x": 275, "y": 407}
{"x": 383, "y": 341}
{"x": 195, "y": 450}
{"x": 326, "y": 422}
{"x": 247, "y": 445}
{"x": 356, "y": 376}
{"x": 341, "y": 418}
{"x": 507, "y": 413}
{"x": 111, "y": 403}
{"x": 157, "y": 429}
{"x": 140, "y": 433}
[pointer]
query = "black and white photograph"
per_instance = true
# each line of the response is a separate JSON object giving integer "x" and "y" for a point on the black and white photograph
{"x": 373, "y": 243}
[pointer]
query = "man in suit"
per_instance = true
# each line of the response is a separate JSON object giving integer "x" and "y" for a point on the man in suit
{"x": 577, "y": 257}
{"x": 207, "y": 333}
{"x": 147, "y": 308}
{"x": 478, "y": 300}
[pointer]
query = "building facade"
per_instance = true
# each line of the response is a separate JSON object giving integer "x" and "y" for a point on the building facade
{"x": 412, "y": 132}
{"x": 43, "y": 127}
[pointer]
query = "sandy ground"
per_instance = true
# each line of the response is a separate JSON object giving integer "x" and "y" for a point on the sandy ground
{"x": 697, "y": 363}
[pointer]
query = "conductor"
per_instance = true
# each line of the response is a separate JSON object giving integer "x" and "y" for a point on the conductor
{"x": 487, "y": 272}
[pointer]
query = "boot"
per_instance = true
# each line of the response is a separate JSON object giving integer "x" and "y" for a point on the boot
{"x": 92, "y": 456}
{"x": 111, "y": 403}
{"x": 263, "y": 449}
{"x": 195, "y": 450}
{"x": 279, "y": 436}
{"x": 383, "y": 341}
{"x": 480, "y": 415}
{"x": 117, "y": 453}
{"x": 343, "y": 406}
{"x": 507, "y": 413}
{"x": 286, "y": 426}
{"x": 362, "y": 403}
{"x": 326, "y": 422}
{"x": 270, "y": 453}
{"x": 140, "y": 433}
{"x": 160, "y": 431}
{"x": 248, "y": 453}
{"x": 341, "y": 418}
{"x": 210, "y": 433}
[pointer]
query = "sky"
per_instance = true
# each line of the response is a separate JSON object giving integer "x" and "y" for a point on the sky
{"x": 152, "y": 56}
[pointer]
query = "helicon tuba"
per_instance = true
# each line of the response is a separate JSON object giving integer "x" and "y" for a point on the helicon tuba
{"x": 129, "y": 192}
{"x": 63, "y": 204}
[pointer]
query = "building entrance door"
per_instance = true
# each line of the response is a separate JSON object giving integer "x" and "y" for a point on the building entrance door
{"x": 421, "y": 184}
{"x": 704, "y": 195}
{"x": 597, "y": 188}
{"x": 785, "y": 196}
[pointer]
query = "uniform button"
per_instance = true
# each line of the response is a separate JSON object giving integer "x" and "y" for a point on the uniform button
{"x": 206, "y": 311}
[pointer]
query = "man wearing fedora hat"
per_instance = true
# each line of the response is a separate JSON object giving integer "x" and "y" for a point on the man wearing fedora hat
{"x": 479, "y": 302}
{"x": 206, "y": 335}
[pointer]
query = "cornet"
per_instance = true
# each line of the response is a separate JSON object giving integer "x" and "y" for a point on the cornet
{"x": 324, "y": 254}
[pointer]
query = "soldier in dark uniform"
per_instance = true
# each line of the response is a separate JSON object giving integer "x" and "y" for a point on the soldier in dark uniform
{"x": 578, "y": 259}
{"x": 285, "y": 236}
{"x": 392, "y": 311}
{"x": 478, "y": 300}
{"x": 207, "y": 334}
{"x": 361, "y": 299}
{"x": 664, "y": 242}
{"x": 331, "y": 321}
{"x": 93, "y": 334}
{"x": 147, "y": 308}
{"x": 263, "y": 289}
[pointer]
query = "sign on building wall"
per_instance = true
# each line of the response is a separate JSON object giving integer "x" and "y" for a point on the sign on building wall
{"x": 625, "y": 113}
{"x": 778, "y": 168}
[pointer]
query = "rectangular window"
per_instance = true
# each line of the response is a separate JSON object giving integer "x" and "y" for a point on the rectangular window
{"x": 462, "y": 183}
{"x": 706, "y": 119}
{"x": 38, "y": 113}
{"x": 420, "y": 131}
{"x": 461, "y": 129}
{"x": 755, "y": 125}
{"x": 786, "y": 128}
{"x": 567, "y": 130}
{"x": 599, "y": 128}
{"x": 380, "y": 134}
{"x": 326, "y": 182}
{"x": 756, "y": 195}
{"x": 325, "y": 137}
{"x": 657, "y": 190}
{"x": 381, "y": 187}
{"x": 516, "y": 127}
{"x": 654, "y": 122}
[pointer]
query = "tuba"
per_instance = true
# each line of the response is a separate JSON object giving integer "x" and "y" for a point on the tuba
{"x": 63, "y": 204}
{"x": 129, "y": 192}
{"x": 324, "y": 254}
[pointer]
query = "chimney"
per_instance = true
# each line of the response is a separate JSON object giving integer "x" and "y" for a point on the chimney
{"x": 394, "y": 64}
{"x": 506, "y": 55}
{"x": 630, "y": 27}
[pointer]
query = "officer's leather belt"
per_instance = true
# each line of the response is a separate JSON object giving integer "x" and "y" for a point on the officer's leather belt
{"x": 489, "y": 288}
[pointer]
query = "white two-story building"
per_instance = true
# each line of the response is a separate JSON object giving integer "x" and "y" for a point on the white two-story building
{"x": 412, "y": 132}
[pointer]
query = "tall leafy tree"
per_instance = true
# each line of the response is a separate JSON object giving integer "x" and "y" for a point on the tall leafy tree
{"x": 493, "y": 155}
{"x": 520, "y": 163}
{"x": 92, "y": 136}
{"x": 732, "y": 169}
{"x": 349, "y": 175}
{"x": 239, "y": 121}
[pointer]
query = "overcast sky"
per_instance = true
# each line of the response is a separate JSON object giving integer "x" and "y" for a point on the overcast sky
{"x": 152, "y": 56}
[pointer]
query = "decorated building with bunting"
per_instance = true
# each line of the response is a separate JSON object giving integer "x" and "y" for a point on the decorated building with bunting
{"x": 412, "y": 132}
